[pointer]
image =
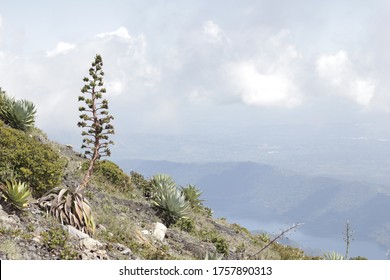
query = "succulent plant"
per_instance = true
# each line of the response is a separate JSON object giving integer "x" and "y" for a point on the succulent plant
{"x": 169, "y": 199}
{"x": 70, "y": 207}
{"x": 332, "y": 256}
{"x": 19, "y": 114}
{"x": 192, "y": 194}
{"x": 16, "y": 193}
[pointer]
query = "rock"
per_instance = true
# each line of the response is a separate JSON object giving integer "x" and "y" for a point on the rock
{"x": 159, "y": 231}
{"x": 75, "y": 233}
{"x": 90, "y": 244}
{"x": 145, "y": 232}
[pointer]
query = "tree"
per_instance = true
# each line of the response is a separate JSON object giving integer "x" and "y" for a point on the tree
{"x": 95, "y": 118}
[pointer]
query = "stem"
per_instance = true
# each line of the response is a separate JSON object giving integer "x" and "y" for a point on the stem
{"x": 276, "y": 238}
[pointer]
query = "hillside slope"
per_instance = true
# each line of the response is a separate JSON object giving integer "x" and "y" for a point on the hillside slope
{"x": 126, "y": 222}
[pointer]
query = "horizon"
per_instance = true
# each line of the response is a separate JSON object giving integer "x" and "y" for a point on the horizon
{"x": 300, "y": 85}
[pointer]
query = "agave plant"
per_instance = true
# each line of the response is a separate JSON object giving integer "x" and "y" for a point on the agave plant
{"x": 70, "y": 207}
{"x": 192, "y": 194}
{"x": 16, "y": 193}
{"x": 332, "y": 256}
{"x": 169, "y": 199}
{"x": 19, "y": 114}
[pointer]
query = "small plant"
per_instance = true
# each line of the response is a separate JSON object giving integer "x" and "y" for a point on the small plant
{"x": 16, "y": 193}
{"x": 186, "y": 224}
{"x": 264, "y": 237}
{"x": 70, "y": 207}
{"x": 192, "y": 194}
{"x": 55, "y": 239}
{"x": 169, "y": 199}
{"x": 280, "y": 235}
{"x": 95, "y": 118}
{"x": 213, "y": 237}
{"x": 19, "y": 114}
{"x": 213, "y": 256}
{"x": 332, "y": 256}
{"x": 141, "y": 183}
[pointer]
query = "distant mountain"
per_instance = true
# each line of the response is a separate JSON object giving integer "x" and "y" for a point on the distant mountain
{"x": 248, "y": 190}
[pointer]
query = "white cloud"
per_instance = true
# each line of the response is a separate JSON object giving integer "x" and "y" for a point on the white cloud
{"x": 213, "y": 32}
{"x": 61, "y": 48}
{"x": 257, "y": 88}
{"x": 338, "y": 71}
{"x": 120, "y": 33}
{"x": 53, "y": 81}
{"x": 269, "y": 77}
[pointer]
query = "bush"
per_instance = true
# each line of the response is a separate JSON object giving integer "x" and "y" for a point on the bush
{"x": 141, "y": 183}
{"x": 109, "y": 172}
{"x": 24, "y": 158}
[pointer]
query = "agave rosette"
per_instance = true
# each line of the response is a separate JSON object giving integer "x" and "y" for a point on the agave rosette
{"x": 16, "y": 193}
{"x": 70, "y": 207}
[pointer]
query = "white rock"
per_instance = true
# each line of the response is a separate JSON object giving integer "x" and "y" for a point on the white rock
{"x": 145, "y": 232}
{"x": 159, "y": 231}
{"x": 74, "y": 232}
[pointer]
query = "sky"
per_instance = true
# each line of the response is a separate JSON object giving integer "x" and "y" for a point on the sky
{"x": 199, "y": 70}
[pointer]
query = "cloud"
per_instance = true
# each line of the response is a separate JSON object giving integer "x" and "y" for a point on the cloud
{"x": 61, "y": 48}
{"x": 120, "y": 33}
{"x": 53, "y": 80}
{"x": 338, "y": 71}
{"x": 268, "y": 78}
{"x": 213, "y": 32}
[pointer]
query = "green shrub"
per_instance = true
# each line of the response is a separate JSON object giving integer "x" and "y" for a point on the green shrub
{"x": 169, "y": 199}
{"x": 26, "y": 159}
{"x": 55, "y": 240}
{"x": 219, "y": 242}
{"x": 186, "y": 224}
{"x": 110, "y": 173}
{"x": 141, "y": 183}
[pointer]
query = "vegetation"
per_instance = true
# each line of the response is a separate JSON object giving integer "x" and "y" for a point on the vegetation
{"x": 192, "y": 194}
{"x": 28, "y": 167}
{"x": 95, "y": 118}
{"x": 70, "y": 207}
{"x": 19, "y": 114}
{"x": 141, "y": 183}
{"x": 169, "y": 199}
{"x": 332, "y": 256}
{"x": 16, "y": 194}
{"x": 55, "y": 239}
{"x": 111, "y": 176}
{"x": 24, "y": 158}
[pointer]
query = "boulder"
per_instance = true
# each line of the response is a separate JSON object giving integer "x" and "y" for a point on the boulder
{"x": 159, "y": 231}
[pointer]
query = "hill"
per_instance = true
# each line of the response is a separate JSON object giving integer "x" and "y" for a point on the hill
{"x": 127, "y": 221}
{"x": 258, "y": 194}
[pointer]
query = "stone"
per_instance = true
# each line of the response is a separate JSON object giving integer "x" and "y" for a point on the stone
{"x": 74, "y": 232}
{"x": 159, "y": 231}
{"x": 90, "y": 244}
{"x": 145, "y": 232}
